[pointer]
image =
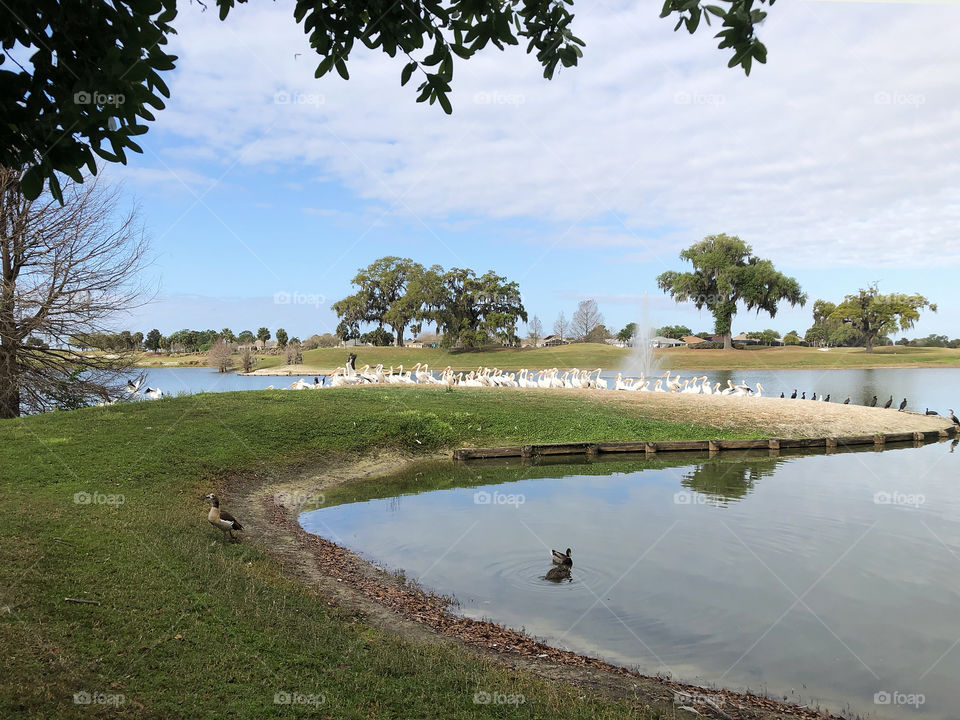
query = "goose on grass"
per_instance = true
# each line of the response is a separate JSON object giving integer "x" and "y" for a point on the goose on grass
{"x": 221, "y": 519}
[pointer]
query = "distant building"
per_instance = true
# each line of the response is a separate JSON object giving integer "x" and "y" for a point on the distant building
{"x": 693, "y": 340}
{"x": 554, "y": 340}
{"x": 664, "y": 342}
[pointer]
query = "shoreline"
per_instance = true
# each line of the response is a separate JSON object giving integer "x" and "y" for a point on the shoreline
{"x": 303, "y": 371}
{"x": 382, "y": 598}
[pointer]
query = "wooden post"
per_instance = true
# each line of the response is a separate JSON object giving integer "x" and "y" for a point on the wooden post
{"x": 651, "y": 448}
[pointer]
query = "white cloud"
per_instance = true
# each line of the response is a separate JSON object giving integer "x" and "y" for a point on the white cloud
{"x": 838, "y": 152}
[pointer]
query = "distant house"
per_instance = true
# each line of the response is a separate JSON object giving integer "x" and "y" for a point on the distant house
{"x": 664, "y": 342}
{"x": 554, "y": 340}
{"x": 693, "y": 340}
{"x": 268, "y": 345}
{"x": 742, "y": 338}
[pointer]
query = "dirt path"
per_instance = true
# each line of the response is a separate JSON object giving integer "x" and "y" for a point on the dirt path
{"x": 383, "y": 600}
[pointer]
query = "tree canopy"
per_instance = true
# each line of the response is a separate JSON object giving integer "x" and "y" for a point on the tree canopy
{"x": 470, "y": 311}
{"x": 875, "y": 315}
{"x": 725, "y": 273}
{"x": 677, "y": 332}
{"x": 390, "y": 292}
{"x": 79, "y": 81}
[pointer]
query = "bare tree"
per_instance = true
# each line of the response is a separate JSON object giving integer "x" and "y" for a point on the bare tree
{"x": 561, "y": 326}
{"x": 67, "y": 271}
{"x": 220, "y": 355}
{"x": 535, "y": 330}
{"x": 247, "y": 359}
{"x": 293, "y": 353}
{"x": 586, "y": 319}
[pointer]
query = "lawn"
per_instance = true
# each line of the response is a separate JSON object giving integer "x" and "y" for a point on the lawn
{"x": 594, "y": 355}
{"x": 104, "y": 505}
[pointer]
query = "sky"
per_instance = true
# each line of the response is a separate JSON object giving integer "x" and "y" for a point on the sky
{"x": 263, "y": 189}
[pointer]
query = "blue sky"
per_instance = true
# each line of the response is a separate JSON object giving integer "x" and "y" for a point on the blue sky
{"x": 837, "y": 161}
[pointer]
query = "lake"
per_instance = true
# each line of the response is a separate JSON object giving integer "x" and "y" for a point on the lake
{"x": 935, "y": 388}
{"x": 825, "y": 579}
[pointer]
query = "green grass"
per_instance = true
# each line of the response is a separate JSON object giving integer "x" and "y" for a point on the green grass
{"x": 190, "y": 627}
{"x": 592, "y": 355}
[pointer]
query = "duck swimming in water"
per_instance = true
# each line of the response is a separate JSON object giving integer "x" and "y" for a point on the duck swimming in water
{"x": 560, "y": 558}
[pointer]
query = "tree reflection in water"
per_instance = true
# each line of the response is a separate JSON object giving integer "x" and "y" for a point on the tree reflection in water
{"x": 731, "y": 477}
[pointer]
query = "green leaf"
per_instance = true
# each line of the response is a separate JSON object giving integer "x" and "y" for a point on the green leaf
{"x": 445, "y": 103}
{"x": 407, "y": 72}
{"x": 31, "y": 182}
{"x": 342, "y": 68}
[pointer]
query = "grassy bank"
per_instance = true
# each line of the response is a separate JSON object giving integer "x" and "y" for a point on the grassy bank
{"x": 104, "y": 505}
{"x": 592, "y": 355}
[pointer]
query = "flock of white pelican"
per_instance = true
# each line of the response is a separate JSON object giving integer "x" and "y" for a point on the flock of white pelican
{"x": 421, "y": 374}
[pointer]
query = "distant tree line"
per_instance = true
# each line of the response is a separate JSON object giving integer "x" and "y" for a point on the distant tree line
{"x": 396, "y": 294}
{"x": 188, "y": 340}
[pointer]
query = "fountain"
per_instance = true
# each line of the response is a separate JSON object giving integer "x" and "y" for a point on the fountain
{"x": 641, "y": 358}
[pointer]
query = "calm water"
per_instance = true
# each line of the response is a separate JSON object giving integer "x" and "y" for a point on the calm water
{"x": 923, "y": 387}
{"x": 826, "y": 579}
{"x": 194, "y": 380}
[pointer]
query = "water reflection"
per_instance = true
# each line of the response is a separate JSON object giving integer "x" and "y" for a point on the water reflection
{"x": 705, "y": 591}
{"x": 558, "y": 574}
{"x": 728, "y": 480}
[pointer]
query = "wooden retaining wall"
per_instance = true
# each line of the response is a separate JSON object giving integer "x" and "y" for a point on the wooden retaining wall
{"x": 638, "y": 446}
